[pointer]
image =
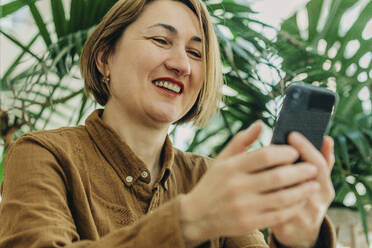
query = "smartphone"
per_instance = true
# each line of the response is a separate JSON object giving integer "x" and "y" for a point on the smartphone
{"x": 306, "y": 109}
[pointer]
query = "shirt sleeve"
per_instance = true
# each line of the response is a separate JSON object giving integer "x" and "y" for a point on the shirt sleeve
{"x": 34, "y": 211}
{"x": 326, "y": 238}
{"x": 256, "y": 239}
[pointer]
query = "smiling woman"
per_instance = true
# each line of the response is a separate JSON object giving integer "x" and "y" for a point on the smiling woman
{"x": 160, "y": 46}
{"x": 117, "y": 181}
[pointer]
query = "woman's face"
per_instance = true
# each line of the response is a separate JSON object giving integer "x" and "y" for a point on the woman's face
{"x": 156, "y": 68}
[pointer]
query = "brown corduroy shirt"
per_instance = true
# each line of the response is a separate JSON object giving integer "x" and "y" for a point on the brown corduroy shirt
{"x": 84, "y": 187}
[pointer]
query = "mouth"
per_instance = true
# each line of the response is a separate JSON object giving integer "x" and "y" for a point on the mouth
{"x": 169, "y": 85}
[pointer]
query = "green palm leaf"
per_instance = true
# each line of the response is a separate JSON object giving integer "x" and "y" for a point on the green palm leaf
{"x": 11, "y": 7}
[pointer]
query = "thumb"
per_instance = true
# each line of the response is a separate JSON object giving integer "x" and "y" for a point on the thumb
{"x": 328, "y": 151}
{"x": 242, "y": 140}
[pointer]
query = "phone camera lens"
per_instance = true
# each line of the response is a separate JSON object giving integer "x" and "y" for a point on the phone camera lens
{"x": 296, "y": 94}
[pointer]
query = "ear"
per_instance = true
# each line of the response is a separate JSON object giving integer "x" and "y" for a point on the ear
{"x": 102, "y": 65}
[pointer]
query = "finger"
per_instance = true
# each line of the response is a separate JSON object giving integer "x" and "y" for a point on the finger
{"x": 328, "y": 151}
{"x": 273, "y": 218}
{"x": 289, "y": 196}
{"x": 315, "y": 210}
{"x": 283, "y": 176}
{"x": 309, "y": 153}
{"x": 242, "y": 140}
{"x": 264, "y": 158}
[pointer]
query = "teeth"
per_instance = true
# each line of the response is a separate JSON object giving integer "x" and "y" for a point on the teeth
{"x": 168, "y": 85}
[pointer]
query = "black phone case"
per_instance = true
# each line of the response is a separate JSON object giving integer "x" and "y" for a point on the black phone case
{"x": 306, "y": 109}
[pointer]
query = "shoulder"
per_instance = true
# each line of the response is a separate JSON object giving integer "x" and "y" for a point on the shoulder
{"x": 59, "y": 140}
{"x": 52, "y": 152}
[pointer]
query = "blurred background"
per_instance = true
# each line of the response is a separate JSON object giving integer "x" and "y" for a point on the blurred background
{"x": 266, "y": 45}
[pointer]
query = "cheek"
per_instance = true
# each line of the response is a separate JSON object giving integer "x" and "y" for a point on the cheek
{"x": 198, "y": 77}
{"x": 148, "y": 55}
{"x": 140, "y": 56}
{"x": 136, "y": 64}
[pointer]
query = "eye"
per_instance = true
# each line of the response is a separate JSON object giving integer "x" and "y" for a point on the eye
{"x": 195, "y": 53}
{"x": 160, "y": 40}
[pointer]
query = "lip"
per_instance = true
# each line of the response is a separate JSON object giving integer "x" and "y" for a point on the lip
{"x": 179, "y": 83}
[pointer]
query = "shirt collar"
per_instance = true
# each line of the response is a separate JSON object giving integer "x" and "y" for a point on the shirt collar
{"x": 120, "y": 156}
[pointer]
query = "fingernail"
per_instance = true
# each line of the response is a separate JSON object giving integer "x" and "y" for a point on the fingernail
{"x": 296, "y": 135}
{"x": 253, "y": 125}
{"x": 258, "y": 123}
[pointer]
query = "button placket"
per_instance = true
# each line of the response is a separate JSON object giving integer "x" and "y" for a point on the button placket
{"x": 129, "y": 179}
{"x": 155, "y": 199}
{"x": 144, "y": 174}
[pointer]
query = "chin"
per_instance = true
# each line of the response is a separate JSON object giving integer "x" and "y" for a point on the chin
{"x": 165, "y": 114}
{"x": 165, "y": 118}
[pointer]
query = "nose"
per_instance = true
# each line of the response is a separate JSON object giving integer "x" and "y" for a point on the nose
{"x": 178, "y": 62}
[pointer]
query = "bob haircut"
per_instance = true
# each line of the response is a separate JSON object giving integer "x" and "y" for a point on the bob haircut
{"x": 109, "y": 31}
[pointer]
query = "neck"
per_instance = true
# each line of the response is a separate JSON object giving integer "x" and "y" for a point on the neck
{"x": 145, "y": 140}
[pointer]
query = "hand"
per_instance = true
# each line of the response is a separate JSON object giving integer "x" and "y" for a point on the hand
{"x": 246, "y": 191}
{"x": 302, "y": 229}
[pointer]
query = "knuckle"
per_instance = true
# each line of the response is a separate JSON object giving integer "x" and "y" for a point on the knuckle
{"x": 231, "y": 191}
{"x": 324, "y": 167}
{"x": 220, "y": 166}
{"x": 247, "y": 224}
{"x": 265, "y": 156}
{"x": 278, "y": 177}
{"x": 263, "y": 183}
{"x": 331, "y": 193}
{"x": 280, "y": 200}
{"x": 278, "y": 218}
{"x": 286, "y": 230}
{"x": 234, "y": 185}
{"x": 309, "y": 167}
{"x": 318, "y": 212}
{"x": 236, "y": 207}
{"x": 292, "y": 153}
{"x": 226, "y": 172}
{"x": 303, "y": 221}
{"x": 308, "y": 222}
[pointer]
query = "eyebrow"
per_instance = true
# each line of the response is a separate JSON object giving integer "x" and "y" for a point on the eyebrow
{"x": 173, "y": 30}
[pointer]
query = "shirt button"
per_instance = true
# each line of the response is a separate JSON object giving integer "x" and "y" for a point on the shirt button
{"x": 144, "y": 174}
{"x": 129, "y": 179}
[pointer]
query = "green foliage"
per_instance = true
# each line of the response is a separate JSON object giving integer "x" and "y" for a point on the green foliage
{"x": 38, "y": 90}
{"x": 242, "y": 48}
{"x": 11, "y": 7}
{"x": 322, "y": 55}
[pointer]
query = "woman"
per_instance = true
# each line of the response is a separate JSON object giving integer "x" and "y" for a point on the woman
{"x": 117, "y": 181}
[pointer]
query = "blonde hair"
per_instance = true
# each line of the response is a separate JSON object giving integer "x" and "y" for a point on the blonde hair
{"x": 108, "y": 32}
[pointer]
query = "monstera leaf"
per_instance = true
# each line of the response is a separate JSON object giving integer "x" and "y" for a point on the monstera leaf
{"x": 336, "y": 53}
{"x": 327, "y": 49}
